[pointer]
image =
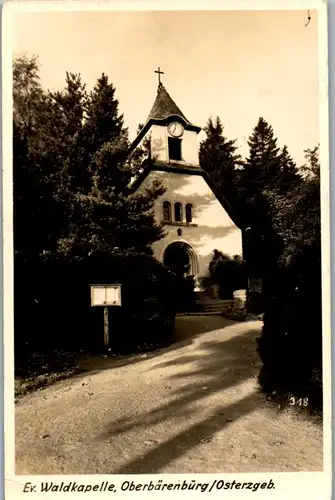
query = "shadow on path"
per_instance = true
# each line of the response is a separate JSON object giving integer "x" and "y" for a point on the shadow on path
{"x": 175, "y": 447}
{"x": 216, "y": 367}
{"x": 186, "y": 329}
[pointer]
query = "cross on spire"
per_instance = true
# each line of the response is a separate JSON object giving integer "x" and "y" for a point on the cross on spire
{"x": 159, "y": 75}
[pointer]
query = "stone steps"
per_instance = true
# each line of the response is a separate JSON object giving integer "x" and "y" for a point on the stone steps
{"x": 212, "y": 301}
{"x": 210, "y": 306}
{"x": 201, "y": 313}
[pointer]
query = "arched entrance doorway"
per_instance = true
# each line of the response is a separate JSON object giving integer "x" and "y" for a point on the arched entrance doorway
{"x": 180, "y": 258}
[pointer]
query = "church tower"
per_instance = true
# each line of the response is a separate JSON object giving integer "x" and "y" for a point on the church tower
{"x": 173, "y": 139}
{"x": 196, "y": 223}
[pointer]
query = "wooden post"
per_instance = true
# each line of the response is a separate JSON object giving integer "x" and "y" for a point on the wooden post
{"x": 106, "y": 328}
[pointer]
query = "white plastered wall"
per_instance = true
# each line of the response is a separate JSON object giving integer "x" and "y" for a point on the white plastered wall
{"x": 211, "y": 227}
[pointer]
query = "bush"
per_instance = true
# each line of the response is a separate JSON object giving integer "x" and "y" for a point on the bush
{"x": 291, "y": 342}
{"x": 290, "y": 345}
{"x": 52, "y": 304}
{"x": 228, "y": 273}
{"x": 206, "y": 283}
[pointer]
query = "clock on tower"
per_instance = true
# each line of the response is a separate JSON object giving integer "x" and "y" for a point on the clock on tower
{"x": 175, "y": 129}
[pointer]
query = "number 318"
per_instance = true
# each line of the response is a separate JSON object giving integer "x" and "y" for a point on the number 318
{"x": 299, "y": 401}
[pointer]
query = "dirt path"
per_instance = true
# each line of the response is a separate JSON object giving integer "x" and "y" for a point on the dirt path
{"x": 193, "y": 407}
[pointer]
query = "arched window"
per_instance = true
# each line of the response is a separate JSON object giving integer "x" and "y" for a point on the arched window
{"x": 188, "y": 210}
{"x": 167, "y": 211}
{"x": 178, "y": 212}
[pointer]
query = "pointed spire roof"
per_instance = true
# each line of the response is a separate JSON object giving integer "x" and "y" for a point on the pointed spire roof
{"x": 164, "y": 106}
{"x": 162, "y": 111}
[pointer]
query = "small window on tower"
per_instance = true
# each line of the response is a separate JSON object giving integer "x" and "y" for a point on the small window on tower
{"x": 175, "y": 149}
{"x": 188, "y": 210}
{"x": 166, "y": 211}
{"x": 178, "y": 214}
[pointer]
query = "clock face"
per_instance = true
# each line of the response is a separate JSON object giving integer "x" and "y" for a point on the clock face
{"x": 176, "y": 129}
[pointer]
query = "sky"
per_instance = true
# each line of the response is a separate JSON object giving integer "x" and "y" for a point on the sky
{"x": 238, "y": 65}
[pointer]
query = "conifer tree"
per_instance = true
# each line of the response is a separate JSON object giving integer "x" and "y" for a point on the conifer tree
{"x": 260, "y": 174}
{"x": 263, "y": 163}
{"x": 220, "y": 159}
{"x": 105, "y": 218}
{"x": 103, "y": 123}
{"x": 69, "y": 115}
{"x": 109, "y": 220}
{"x": 288, "y": 176}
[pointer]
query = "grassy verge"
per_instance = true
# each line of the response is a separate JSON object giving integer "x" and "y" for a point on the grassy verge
{"x": 35, "y": 370}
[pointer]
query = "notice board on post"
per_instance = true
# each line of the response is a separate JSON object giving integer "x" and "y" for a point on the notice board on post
{"x": 106, "y": 295}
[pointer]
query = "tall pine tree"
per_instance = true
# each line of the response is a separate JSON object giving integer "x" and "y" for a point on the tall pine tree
{"x": 219, "y": 157}
{"x": 288, "y": 175}
{"x": 260, "y": 173}
{"x": 103, "y": 123}
{"x": 69, "y": 110}
{"x": 261, "y": 167}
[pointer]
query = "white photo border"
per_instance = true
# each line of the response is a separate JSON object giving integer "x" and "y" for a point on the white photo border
{"x": 292, "y": 485}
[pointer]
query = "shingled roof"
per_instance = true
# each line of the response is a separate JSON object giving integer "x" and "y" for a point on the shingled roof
{"x": 164, "y": 106}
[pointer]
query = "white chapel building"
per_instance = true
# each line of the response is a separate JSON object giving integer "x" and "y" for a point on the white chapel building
{"x": 192, "y": 216}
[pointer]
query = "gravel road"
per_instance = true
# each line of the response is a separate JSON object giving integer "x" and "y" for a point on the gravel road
{"x": 193, "y": 407}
